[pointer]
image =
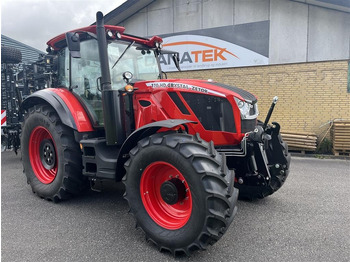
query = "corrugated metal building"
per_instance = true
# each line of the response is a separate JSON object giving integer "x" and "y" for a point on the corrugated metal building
{"x": 29, "y": 54}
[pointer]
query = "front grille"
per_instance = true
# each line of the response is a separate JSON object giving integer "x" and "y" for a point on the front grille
{"x": 214, "y": 113}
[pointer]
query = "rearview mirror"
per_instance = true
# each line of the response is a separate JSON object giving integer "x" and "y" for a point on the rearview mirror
{"x": 73, "y": 43}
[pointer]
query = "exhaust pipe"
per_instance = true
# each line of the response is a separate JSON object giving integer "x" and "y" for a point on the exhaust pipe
{"x": 102, "y": 50}
{"x": 112, "y": 113}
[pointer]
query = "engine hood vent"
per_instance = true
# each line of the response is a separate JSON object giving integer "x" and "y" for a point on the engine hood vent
{"x": 248, "y": 97}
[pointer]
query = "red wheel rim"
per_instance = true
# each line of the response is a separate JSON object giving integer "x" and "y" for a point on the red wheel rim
{"x": 169, "y": 216}
{"x": 42, "y": 155}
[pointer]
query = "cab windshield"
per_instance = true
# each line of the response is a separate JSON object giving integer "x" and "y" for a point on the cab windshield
{"x": 141, "y": 62}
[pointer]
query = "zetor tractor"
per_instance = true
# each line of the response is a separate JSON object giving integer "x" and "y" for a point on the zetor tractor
{"x": 183, "y": 148}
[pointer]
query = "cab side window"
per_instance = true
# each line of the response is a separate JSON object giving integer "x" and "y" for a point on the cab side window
{"x": 85, "y": 73}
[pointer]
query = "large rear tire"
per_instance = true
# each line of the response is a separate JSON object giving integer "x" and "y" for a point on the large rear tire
{"x": 180, "y": 191}
{"x": 10, "y": 55}
{"x": 51, "y": 157}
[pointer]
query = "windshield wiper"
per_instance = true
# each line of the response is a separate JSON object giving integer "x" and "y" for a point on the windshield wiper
{"x": 120, "y": 57}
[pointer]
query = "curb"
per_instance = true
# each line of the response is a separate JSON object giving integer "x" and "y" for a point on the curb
{"x": 319, "y": 156}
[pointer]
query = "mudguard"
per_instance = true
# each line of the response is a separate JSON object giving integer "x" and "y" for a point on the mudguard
{"x": 67, "y": 106}
{"x": 143, "y": 132}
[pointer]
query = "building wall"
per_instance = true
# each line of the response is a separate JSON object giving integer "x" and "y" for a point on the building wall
{"x": 310, "y": 94}
{"x": 299, "y": 32}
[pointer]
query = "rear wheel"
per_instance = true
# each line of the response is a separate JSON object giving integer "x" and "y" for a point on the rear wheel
{"x": 180, "y": 191}
{"x": 51, "y": 157}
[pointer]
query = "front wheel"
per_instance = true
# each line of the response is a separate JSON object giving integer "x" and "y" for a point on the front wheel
{"x": 51, "y": 157}
{"x": 180, "y": 191}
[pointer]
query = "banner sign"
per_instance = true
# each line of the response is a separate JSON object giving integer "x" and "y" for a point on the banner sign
{"x": 221, "y": 47}
{"x": 202, "y": 52}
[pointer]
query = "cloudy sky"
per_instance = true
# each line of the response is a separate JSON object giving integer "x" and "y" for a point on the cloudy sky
{"x": 34, "y": 22}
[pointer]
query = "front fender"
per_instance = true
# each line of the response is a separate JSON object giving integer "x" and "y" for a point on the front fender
{"x": 141, "y": 133}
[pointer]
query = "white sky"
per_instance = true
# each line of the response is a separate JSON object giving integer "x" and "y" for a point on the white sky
{"x": 34, "y": 22}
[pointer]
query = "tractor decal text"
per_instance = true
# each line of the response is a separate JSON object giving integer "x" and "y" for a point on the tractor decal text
{"x": 182, "y": 86}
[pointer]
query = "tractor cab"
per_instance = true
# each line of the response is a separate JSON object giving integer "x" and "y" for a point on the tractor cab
{"x": 128, "y": 61}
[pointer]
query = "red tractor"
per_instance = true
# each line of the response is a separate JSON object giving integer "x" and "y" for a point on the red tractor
{"x": 176, "y": 144}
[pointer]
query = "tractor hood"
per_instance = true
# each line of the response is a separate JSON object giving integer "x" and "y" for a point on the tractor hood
{"x": 197, "y": 86}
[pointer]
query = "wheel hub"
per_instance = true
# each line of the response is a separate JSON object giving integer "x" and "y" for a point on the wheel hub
{"x": 172, "y": 191}
{"x": 47, "y": 154}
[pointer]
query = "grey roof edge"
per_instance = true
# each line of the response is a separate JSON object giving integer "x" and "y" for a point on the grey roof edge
{"x": 124, "y": 11}
{"x": 21, "y": 44}
{"x": 339, "y": 5}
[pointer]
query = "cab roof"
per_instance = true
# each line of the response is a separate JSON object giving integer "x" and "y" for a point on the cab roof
{"x": 59, "y": 41}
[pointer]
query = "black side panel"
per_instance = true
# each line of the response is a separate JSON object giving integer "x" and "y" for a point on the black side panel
{"x": 114, "y": 124}
{"x": 174, "y": 96}
{"x": 99, "y": 159}
{"x": 51, "y": 98}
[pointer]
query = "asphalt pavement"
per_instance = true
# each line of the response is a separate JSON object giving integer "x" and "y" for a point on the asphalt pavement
{"x": 308, "y": 219}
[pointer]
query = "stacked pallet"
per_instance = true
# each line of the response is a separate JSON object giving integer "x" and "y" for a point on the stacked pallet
{"x": 300, "y": 141}
{"x": 341, "y": 137}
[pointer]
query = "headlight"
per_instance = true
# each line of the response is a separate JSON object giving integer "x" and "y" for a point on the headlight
{"x": 248, "y": 111}
{"x": 158, "y": 45}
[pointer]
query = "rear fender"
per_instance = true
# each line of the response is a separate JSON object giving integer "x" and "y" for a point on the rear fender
{"x": 67, "y": 106}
